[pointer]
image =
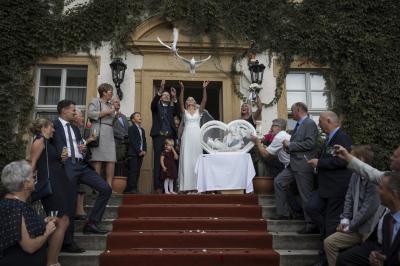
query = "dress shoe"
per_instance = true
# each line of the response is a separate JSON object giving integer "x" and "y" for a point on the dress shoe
{"x": 72, "y": 248}
{"x": 279, "y": 217}
{"x": 308, "y": 230}
{"x": 91, "y": 228}
{"x": 80, "y": 217}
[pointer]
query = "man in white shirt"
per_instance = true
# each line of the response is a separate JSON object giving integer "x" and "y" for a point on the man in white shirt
{"x": 276, "y": 147}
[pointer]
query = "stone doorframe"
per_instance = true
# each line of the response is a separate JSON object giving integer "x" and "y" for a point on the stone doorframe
{"x": 159, "y": 64}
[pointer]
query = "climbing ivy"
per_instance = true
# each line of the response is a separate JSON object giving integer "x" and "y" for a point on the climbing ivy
{"x": 358, "y": 40}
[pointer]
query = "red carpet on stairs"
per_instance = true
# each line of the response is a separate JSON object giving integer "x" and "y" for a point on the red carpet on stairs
{"x": 195, "y": 230}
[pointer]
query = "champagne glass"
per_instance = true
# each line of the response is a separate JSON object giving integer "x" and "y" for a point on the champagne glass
{"x": 53, "y": 214}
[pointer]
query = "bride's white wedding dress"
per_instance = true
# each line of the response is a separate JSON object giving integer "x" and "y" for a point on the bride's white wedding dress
{"x": 190, "y": 151}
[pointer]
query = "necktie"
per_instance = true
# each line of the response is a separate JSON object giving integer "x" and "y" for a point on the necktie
{"x": 71, "y": 143}
{"x": 295, "y": 128}
{"x": 121, "y": 121}
{"x": 391, "y": 223}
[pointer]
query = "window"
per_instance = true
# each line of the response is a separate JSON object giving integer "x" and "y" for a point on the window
{"x": 307, "y": 87}
{"x": 55, "y": 83}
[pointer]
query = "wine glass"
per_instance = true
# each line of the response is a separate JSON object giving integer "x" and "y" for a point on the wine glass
{"x": 53, "y": 213}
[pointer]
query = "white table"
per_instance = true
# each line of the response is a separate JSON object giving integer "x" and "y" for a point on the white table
{"x": 225, "y": 171}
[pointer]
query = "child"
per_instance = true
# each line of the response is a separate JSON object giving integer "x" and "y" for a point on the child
{"x": 168, "y": 166}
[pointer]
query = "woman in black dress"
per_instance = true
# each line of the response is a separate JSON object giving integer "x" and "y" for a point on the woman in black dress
{"x": 23, "y": 234}
{"x": 45, "y": 160}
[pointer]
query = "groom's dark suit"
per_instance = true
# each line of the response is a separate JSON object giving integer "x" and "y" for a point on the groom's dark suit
{"x": 163, "y": 126}
{"x": 80, "y": 170}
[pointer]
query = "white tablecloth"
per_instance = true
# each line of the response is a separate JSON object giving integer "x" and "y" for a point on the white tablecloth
{"x": 225, "y": 171}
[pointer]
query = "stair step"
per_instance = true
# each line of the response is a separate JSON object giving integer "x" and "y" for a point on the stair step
{"x": 297, "y": 257}
{"x": 202, "y": 239}
{"x": 190, "y": 210}
{"x": 243, "y": 199}
{"x": 88, "y": 258}
{"x": 193, "y": 257}
{"x": 265, "y": 200}
{"x": 285, "y": 225}
{"x": 91, "y": 242}
{"x": 115, "y": 199}
{"x": 197, "y": 223}
{"x": 295, "y": 241}
{"x": 105, "y": 224}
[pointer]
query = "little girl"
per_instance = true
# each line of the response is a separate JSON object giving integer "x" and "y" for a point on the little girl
{"x": 168, "y": 166}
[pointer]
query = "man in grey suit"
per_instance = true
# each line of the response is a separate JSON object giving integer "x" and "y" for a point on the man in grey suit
{"x": 360, "y": 209}
{"x": 121, "y": 124}
{"x": 302, "y": 146}
{"x": 359, "y": 255}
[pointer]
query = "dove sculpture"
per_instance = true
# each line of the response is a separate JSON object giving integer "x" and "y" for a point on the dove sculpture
{"x": 175, "y": 34}
{"x": 192, "y": 63}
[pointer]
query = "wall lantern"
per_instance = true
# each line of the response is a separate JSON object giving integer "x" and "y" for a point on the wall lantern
{"x": 118, "y": 68}
{"x": 256, "y": 71}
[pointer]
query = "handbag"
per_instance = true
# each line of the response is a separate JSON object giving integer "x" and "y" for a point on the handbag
{"x": 94, "y": 143}
{"x": 43, "y": 189}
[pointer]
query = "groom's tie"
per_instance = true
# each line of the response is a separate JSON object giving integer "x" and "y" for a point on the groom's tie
{"x": 71, "y": 143}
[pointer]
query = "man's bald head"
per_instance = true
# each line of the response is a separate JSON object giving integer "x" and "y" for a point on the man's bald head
{"x": 328, "y": 121}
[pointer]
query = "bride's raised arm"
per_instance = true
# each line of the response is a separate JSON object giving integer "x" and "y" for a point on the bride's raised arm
{"x": 181, "y": 103}
{"x": 204, "y": 99}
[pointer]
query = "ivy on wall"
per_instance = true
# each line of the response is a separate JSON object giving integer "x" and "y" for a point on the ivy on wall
{"x": 359, "y": 40}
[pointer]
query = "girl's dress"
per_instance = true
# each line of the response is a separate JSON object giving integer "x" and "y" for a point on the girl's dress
{"x": 170, "y": 163}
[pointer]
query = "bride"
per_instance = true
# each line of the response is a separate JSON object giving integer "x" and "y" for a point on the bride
{"x": 190, "y": 141}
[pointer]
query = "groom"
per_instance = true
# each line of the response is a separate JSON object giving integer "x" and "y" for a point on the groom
{"x": 163, "y": 110}
{"x": 76, "y": 168}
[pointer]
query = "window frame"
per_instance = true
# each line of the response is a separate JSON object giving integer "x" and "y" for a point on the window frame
{"x": 51, "y": 108}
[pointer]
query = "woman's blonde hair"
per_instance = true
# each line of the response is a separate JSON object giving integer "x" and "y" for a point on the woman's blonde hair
{"x": 37, "y": 125}
{"x": 188, "y": 99}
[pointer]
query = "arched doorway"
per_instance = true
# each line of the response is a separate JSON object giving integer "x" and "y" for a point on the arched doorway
{"x": 159, "y": 64}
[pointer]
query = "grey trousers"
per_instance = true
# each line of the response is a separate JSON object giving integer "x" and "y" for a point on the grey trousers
{"x": 305, "y": 184}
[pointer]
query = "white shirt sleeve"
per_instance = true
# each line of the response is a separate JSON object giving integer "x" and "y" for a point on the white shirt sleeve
{"x": 276, "y": 144}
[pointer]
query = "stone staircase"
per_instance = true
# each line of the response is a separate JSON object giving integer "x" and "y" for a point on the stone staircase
{"x": 294, "y": 249}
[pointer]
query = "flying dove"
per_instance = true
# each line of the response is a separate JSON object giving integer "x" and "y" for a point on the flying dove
{"x": 175, "y": 34}
{"x": 192, "y": 62}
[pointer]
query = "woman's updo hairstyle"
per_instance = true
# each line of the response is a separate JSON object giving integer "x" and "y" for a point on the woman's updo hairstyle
{"x": 37, "y": 125}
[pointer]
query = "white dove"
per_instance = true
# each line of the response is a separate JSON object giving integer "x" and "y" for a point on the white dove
{"x": 175, "y": 34}
{"x": 192, "y": 62}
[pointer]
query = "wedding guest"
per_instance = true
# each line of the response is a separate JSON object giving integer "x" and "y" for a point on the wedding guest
{"x": 137, "y": 149}
{"x": 168, "y": 166}
{"x": 23, "y": 234}
{"x": 384, "y": 250}
{"x": 46, "y": 161}
{"x": 302, "y": 145}
{"x": 275, "y": 149}
{"x": 326, "y": 203}
{"x": 247, "y": 114}
{"x": 80, "y": 213}
{"x": 76, "y": 168}
{"x": 102, "y": 114}
{"x": 360, "y": 206}
{"x": 190, "y": 148}
{"x": 359, "y": 254}
{"x": 121, "y": 126}
{"x": 163, "y": 110}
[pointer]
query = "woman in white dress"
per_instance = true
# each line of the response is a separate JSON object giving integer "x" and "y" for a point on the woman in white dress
{"x": 190, "y": 141}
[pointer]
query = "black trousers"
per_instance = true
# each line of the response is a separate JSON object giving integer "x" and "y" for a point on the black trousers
{"x": 158, "y": 146}
{"x": 357, "y": 255}
{"x": 135, "y": 163}
{"x": 325, "y": 213}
